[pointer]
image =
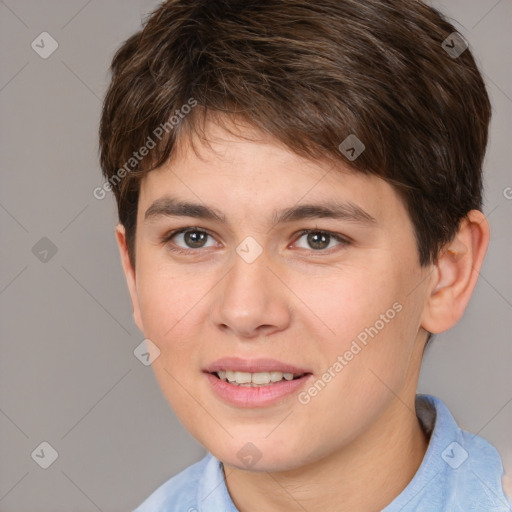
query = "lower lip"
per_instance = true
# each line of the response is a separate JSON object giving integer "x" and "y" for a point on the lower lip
{"x": 245, "y": 396}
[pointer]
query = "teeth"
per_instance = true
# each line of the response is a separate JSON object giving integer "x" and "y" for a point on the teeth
{"x": 253, "y": 379}
{"x": 261, "y": 378}
{"x": 230, "y": 375}
{"x": 276, "y": 376}
{"x": 242, "y": 377}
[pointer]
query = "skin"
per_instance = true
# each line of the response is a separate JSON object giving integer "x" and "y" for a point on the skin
{"x": 299, "y": 304}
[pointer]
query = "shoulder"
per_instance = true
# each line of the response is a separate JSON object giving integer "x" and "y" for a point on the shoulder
{"x": 180, "y": 491}
{"x": 477, "y": 482}
{"x": 460, "y": 472}
{"x": 470, "y": 467}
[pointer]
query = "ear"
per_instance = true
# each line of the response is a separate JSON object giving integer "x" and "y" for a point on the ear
{"x": 129, "y": 273}
{"x": 456, "y": 273}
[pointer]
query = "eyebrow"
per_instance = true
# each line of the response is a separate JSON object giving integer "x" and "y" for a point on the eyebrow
{"x": 171, "y": 207}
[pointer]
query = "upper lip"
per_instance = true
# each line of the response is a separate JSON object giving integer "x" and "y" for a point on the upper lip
{"x": 253, "y": 366}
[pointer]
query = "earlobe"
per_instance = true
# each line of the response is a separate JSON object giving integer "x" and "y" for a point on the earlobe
{"x": 456, "y": 274}
{"x": 129, "y": 273}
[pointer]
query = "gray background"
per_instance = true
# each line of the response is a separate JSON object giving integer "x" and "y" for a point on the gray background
{"x": 68, "y": 375}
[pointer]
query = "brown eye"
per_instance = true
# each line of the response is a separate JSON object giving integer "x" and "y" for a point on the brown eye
{"x": 194, "y": 239}
{"x": 321, "y": 240}
{"x": 187, "y": 239}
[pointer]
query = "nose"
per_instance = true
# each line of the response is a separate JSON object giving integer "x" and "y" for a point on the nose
{"x": 251, "y": 301}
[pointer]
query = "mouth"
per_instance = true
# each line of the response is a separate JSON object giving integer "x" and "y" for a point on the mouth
{"x": 248, "y": 383}
{"x": 257, "y": 379}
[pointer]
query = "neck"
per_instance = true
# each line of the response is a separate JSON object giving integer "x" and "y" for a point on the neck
{"x": 365, "y": 476}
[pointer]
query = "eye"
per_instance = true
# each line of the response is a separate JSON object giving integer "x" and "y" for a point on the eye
{"x": 320, "y": 240}
{"x": 191, "y": 238}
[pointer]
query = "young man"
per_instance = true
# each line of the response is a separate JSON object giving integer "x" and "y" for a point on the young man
{"x": 299, "y": 194}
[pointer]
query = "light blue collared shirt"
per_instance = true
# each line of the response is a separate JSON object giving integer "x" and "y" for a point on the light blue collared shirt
{"x": 460, "y": 472}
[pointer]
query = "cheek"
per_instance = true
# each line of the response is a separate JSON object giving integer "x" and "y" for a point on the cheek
{"x": 368, "y": 322}
{"x": 349, "y": 301}
{"x": 169, "y": 311}
{"x": 167, "y": 298}
{"x": 173, "y": 310}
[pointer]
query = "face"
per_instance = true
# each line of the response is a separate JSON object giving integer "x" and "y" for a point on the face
{"x": 251, "y": 281}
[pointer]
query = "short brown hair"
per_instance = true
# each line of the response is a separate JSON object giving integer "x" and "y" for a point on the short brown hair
{"x": 310, "y": 74}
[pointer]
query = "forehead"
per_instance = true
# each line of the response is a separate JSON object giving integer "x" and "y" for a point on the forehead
{"x": 250, "y": 172}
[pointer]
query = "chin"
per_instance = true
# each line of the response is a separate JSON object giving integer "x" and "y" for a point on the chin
{"x": 261, "y": 455}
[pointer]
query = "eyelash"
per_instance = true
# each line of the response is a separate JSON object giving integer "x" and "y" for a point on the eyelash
{"x": 343, "y": 240}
